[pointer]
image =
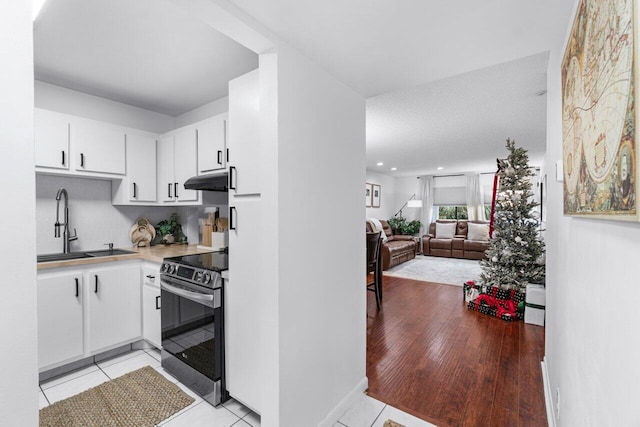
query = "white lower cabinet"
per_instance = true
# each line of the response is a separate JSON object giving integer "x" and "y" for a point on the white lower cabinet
{"x": 114, "y": 307}
{"x": 151, "y": 304}
{"x": 242, "y": 303}
{"x": 60, "y": 323}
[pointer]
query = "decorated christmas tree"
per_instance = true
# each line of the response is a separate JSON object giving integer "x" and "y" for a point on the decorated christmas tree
{"x": 516, "y": 253}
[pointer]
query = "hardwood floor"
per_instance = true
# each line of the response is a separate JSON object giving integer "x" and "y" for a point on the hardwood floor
{"x": 430, "y": 356}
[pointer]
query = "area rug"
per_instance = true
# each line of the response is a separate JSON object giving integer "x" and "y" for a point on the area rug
{"x": 140, "y": 398}
{"x": 451, "y": 271}
{"x": 391, "y": 423}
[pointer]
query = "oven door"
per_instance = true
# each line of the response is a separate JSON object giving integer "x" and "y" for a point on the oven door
{"x": 192, "y": 336}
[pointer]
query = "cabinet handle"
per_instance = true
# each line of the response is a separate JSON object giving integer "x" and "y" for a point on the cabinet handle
{"x": 169, "y": 190}
{"x": 96, "y": 276}
{"x": 232, "y": 169}
{"x": 175, "y": 189}
{"x": 227, "y": 155}
{"x": 232, "y": 210}
{"x": 134, "y": 190}
{"x": 62, "y": 157}
{"x": 77, "y": 288}
{"x": 219, "y": 157}
{"x": 149, "y": 276}
{"x": 81, "y": 160}
{"x": 158, "y": 302}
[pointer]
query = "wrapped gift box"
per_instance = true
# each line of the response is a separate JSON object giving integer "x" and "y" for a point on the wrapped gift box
{"x": 534, "y": 306}
{"x": 500, "y": 294}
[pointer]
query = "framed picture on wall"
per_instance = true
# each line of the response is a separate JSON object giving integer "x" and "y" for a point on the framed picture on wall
{"x": 599, "y": 90}
{"x": 368, "y": 195}
{"x": 375, "y": 197}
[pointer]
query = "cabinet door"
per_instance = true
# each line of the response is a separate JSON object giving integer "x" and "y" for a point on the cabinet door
{"x": 242, "y": 309}
{"x": 244, "y": 134}
{"x": 151, "y": 318}
{"x": 100, "y": 147}
{"x": 51, "y": 134}
{"x": 114, "y": 309}
{"x": 141, "y": 168}
{"x": 59, "y": 318}
{"x": 165, "y": 169}
{"x": 185, "y": 164}
{"x": 212, "y": 144}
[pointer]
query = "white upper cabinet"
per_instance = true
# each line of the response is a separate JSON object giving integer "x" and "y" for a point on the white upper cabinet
{"x": 99, "y": 147}
{"x": 165, "y": 169}
{"x": 51, "y": 133}
{"x": 244, "y": 134}
{"x": 141, "y": 168}
{"x": 177, "y": 162}
{"x": 185, "y": 153}
{"x": 212, "y": 144}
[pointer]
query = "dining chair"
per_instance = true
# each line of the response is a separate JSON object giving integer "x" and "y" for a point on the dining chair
{"x": 374, "y": 265}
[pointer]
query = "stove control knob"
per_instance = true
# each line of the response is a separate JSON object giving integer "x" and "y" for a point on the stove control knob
{"x": 199, "y": 276}
{"x": 207, "y": 278}
{"x": 171, "y": 269}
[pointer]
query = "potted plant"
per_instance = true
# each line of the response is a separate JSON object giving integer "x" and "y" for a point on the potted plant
{"x": 170, "y": 229}
{"x": 396, "y": 224}
{"x": 411, "y": 228}
{"x": 399, "y": 225}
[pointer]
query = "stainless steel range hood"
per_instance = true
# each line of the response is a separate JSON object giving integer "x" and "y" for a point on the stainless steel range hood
{"x": 211, "y": 182}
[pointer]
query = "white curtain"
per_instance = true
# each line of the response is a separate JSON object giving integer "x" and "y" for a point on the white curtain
{"x": 426, "y": 195}
{"x": 475, "y": 199}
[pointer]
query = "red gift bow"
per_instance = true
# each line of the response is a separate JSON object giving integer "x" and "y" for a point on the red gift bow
{"x": 502, "y": 306}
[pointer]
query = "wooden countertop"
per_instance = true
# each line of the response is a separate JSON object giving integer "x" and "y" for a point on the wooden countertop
{"x": 154, "y": 253}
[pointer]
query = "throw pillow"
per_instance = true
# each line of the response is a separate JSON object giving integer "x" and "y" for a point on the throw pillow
{"x": 445, "y": 230}
{"x": 478, "y": 232}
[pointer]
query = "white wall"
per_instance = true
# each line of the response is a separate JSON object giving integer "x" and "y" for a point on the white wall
{"x": 388, "y": 195}
{"x": 18, "y": 318}
{"x": 97, "y": 221}
{"x": 211, "y": 109}
{"x": 592, "y": 348}
{"x": 63, "y": 100}
{"x": 322, "y": 296}
{"x": 405, "y": 188}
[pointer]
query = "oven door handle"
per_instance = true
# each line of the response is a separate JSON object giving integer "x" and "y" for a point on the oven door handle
{"x": 205, "y": 299}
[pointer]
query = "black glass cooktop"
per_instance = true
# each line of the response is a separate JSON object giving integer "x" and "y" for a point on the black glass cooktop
{"x": 215, "y": 261}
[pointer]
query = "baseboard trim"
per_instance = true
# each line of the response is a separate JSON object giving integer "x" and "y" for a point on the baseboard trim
{"x": 548, "y": 395}
{"x": 350, "y": 399}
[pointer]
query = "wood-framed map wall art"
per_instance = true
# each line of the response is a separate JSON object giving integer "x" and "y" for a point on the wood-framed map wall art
{"x": 599, "y": 147}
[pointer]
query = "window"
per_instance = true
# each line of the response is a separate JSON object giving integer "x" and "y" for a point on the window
{"x": 452, "y": 212}
{"x": 457, "y": 212}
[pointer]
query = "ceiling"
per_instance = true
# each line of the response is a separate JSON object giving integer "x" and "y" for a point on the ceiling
{"x": 460, "y": 123}
{"x": 446, "y": 82}
{"x": 436, "y": 95}
{"x": 145, "y": 53}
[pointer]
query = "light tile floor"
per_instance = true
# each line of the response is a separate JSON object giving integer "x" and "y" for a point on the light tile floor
{"x": 366, "y": 412}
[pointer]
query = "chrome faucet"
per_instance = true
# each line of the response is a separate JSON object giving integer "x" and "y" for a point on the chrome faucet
{"x": 67, "y": 237}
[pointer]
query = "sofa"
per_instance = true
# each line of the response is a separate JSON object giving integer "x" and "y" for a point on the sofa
{"x": 397, "y": 249}
{"x": 451, "y": 239}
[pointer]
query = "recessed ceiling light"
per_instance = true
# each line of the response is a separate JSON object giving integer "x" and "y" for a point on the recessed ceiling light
{"x": 379, "y": 163}
{"x": 394, "y": 169}
{"x": 439, "y": 168}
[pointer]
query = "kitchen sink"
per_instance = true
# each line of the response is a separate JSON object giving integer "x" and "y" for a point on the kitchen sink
{"x": 108, "y": 252}
{"x": 79, "y": 255}
{"x": 62, "y": 257}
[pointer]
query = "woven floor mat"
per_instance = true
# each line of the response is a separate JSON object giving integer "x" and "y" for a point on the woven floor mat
{"x": 138, "y": 399}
